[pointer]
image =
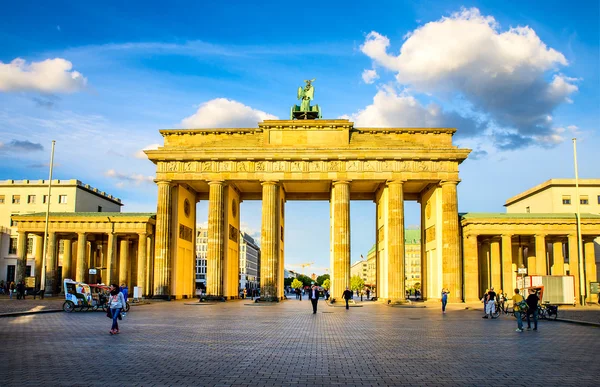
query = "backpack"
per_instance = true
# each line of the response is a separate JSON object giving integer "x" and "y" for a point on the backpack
{"x": 522, "y": 306}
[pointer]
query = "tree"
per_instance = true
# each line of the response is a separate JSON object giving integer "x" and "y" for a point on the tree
{"x": 306, "y": 280}
{"x": 288, "y": 281}
{"x": 357, "y": 283}
{"x": 326, "y": 284}
{"x": 296, "y": 284}
{"x": 322, "y": 278}
{"x": 418, "y": 286}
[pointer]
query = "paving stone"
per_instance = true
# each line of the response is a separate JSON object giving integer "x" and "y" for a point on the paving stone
{"x": 230, "y": 344}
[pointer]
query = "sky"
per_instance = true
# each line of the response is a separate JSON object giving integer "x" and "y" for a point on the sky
{"x": 518, "y": 81}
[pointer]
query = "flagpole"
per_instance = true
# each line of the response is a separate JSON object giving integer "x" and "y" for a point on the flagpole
{"x": 43, "y": 277}
{"x": 580, "y": 265}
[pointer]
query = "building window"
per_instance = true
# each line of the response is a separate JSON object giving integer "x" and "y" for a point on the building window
{"x": 62, "y": 199}
{"x": 29, "y": 246}
{"x": 31, "y": 199}
{"x": 584, "y": 200}
{"x": 12, "y": 248}
{"x": 2, "y": 199}
{"x": 566, "y": 200}
{"x": 27, "y": 271}
{"x": 16, "y": 199}
{"x": 527, "y": 209}
{"x": 45, "y": 199}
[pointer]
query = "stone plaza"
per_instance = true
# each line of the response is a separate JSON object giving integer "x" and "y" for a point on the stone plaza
{"x": 238, "y": 343}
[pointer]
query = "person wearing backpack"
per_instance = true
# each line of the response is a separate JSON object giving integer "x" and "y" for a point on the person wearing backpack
{"x": 519, "y": 306}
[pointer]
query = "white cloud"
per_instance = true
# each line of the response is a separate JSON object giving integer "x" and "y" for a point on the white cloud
{"x": 48, "y": 76}
{"x": 141, "y": 155}
{"x": 502, "y": 75}
{"x": 124, "y": 179}
{"x": 225, "y": 113}
{"x": 393, "y": 109}
{"x": 369, "y": 76}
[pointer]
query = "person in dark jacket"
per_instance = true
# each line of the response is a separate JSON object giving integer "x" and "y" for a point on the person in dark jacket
{"x": 347, "y": 295}
{"x": 21, "y": 290}
{"x": 313, "y": 294}
{"x": 532, "y": 309}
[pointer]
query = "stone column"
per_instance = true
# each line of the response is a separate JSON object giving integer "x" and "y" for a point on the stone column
{"x": 22, "y": 256}
{"x": 141, "y": 263}
{"x": 574, "y": 264}
{"x": 150, "y": 266}
{"x": 111, "y": 259}
{"x": 39, "y": 256}
{"x": 508, "y": 275}
{"x": 558, "y": 264}
{"x": 396, "y": 288}
{"x": 471, "y": 268}
{"x": 540, "y": 255}
{"x": 590, "y": 268}
{"x": 484, "y": 266}
{"x": 269, "y": 258}
{"x": 340, "y": 276}
{"x": 67, "y": 258}
{"x": 451, "y": 263}
{"x": 81, "y": 252}
{"x": 216, "y": 239}
{"x": 496, "y": 264}
{"x": 124, "y": 262}
{"x": 51, "y": 265}
{"x": 162, "y": 249}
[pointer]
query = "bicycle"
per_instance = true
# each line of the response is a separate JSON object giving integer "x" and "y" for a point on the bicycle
{"x": 547, "y": 312}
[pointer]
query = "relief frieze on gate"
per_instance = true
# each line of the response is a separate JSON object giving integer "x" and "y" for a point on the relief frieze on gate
{"x": 215, "y": 166}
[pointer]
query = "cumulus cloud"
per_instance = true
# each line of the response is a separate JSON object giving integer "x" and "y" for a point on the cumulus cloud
{"x": 48, "y": 76}
{"x": 511, "y": 77}
{"x": 391, "y": 108}
{"x": 141, "y": 155}
{"x": 21, "y": 146}
{"x": 369, "y": 76}
{"x": 225, "y": 113}
{"x": 125, "y": 179}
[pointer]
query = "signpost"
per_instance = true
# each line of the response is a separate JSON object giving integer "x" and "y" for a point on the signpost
{"x": 523, "y": 272}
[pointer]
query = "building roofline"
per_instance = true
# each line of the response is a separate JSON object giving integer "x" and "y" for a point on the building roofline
{"x": 62, "y": 183}
{"x": 549, "y": 184}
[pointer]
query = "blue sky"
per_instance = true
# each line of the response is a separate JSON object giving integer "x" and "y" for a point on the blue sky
{"x": 517, "y": 79}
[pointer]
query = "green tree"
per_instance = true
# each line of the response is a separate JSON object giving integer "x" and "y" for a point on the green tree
{"x": 357, "y": 283}
{"x": 288, "y": 281}
{"x": 418, "y": 286}
{"x": 296, "y": 284}
{"x": 326, "y": 284}
{"x": 322, "y": 278}
{"x": 306, "y": 280}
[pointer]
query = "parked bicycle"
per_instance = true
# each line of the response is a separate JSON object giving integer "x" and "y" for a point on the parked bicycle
{"x": 547, "y": 311}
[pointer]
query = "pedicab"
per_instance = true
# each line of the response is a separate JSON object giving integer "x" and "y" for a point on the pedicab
{"x": 80, "y": 296}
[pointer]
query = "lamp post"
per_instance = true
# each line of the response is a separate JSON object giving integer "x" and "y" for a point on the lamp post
{"x": 580, "y": 265}
{"x": 43, "y": 276}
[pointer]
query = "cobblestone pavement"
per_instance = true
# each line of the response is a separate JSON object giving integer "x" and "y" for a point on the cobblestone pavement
{"x": 236, "y": 344}
{"x": 13, "y": 305}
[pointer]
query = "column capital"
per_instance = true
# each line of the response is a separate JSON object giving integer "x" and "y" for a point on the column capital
{"x": 507, "y": 235}
{"x": 142, "y": 234}
{"x": 217, "y": 182}
{"x": 449, "y": 181}
{"x": 540, "y": 235}
{"x": 163, "y": 182}
{"x": 395, "y": 181}
{"x": 269, "y": 182}
{"x": 471, "y": 236}
{"x": 336, "y": 182}
{"x": 81, "y": 233}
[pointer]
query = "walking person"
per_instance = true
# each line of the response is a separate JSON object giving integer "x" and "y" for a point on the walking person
{"x": 490, "y": 306}
{"x": 517, "y": 300}
{"x": 116, "y": 302}
{"x": 21, "y": 290}
{"x": 532, "y": 309}
{"x": 11, "y": 289}
{"x": 347, "y": 295}
{"x": 445, "y": 293}
{"x": 314, "y": 296}
{"x": 368, "y": 294}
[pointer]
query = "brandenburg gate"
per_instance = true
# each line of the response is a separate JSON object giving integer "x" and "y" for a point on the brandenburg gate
{"x": 307, "y": 159}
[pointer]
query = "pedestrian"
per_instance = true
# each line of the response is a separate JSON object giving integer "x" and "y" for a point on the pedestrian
{"x": 490, "y": 306}
{"x": 314, "y": 296}
{"x": 517, "y": 300}
{"x": 116, "y": 302}
{"x": 21, "y": 290}
{"x": 361, "y": 295}
{"x": 368, "y": 294}
{"x": 484, "y": 300}
{"x": 501, "y": 300}
{"x": 125, "y": 292}
{"x": 11, "y": 289}
{"x": 245, "y": 292}
{"x": 532, "y": 309}
{"x": 444, "y": 299}
{"x": 347, "y": 295}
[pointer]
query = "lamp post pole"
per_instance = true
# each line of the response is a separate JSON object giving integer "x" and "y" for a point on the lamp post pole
{"x": 43, "y": 276}
{"x": 580, "y": 265}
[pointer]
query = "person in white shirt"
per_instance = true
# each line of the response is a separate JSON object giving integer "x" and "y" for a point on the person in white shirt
{"x": 314, "y": 296}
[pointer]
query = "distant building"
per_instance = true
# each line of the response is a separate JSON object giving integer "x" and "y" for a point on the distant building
{"x": 412, "y": 257}
{"x": 249, "y": 262}
{"x": 359, "y": 268}
{"x": 201, "y": 248}
{"x": 371, "y": 281}
{"x": 20, "y": 197}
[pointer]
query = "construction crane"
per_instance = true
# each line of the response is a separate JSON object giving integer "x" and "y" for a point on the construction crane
{"x": 302, "y": 265}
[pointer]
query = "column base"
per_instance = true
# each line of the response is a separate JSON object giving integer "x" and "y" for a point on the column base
{"x": 210, "y": 297}
{"x": 269, "y": 299}
{"x": 396, "y": 301}
{"x": 165, "y": 297}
